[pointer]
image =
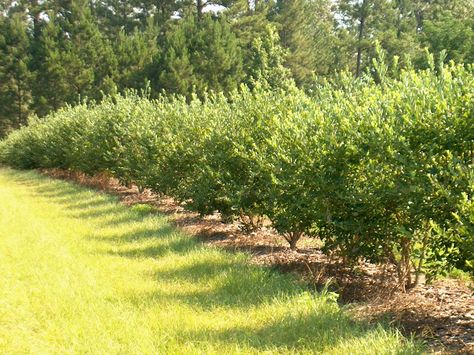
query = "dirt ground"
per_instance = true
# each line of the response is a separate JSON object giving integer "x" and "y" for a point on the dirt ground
{"x": 441, "y": 313}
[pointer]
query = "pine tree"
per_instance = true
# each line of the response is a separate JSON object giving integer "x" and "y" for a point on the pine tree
{"x": 306, "y": 29}
{"x": 91, "y": 51}
{"x": 114, "y": 16}
{"x": 448, "y": 25}
{"x": 51, "y": 87}
{"x": 216, "y": 55}
{"x": 199, "y": 56}
{"x": 355, "y": 15}
{"x": 160, "y": 11}
{"x": 267, "y": 62}
{"x": 249, "y": 20}
{"x": 403, "y": 41}
{"x": 135, "y": 52}
{"x": 367, "y": 22}
{"x": 73, "y": 60}
{"x": 172, "y": 70}
{"x": 15, "y": 76}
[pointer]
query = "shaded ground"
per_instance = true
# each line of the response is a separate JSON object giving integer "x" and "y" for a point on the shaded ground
{"x": 441, "y": 313}
{"x": 83, "y": 274}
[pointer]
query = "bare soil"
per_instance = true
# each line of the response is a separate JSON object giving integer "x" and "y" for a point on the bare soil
{"x": 441, "y": 313}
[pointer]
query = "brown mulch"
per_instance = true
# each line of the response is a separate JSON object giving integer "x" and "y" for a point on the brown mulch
{"x": 442, "y": 313}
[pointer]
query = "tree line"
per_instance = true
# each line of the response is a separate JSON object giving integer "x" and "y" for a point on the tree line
{"x": 58, "y": 52}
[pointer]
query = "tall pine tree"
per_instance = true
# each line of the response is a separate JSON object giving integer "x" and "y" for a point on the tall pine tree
{"x": 307, "y": 30}
{"x": 135, "y": 52}
{"x": 73, "y": 60}
{"x": 15, "y": 76}
{"x": 199, "y": 56}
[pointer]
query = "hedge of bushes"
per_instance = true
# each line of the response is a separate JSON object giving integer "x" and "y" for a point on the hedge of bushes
{"x": 378, "y": 169}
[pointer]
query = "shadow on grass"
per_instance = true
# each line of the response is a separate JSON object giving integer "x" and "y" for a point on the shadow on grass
{"x": 221, "y": 285}
{"x": 225, "y": 280}
{"x": 317, "y": 332}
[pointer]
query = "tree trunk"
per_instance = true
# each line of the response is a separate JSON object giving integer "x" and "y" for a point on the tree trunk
{"x": 20, "y": 106}
{"x": 35, "y": 13}
{"x": 199, "y": 8}
{"x": 359, "y": 48}
{"x": 293, "y": 243}
{"x": 363, "y": 15}
{"x": 424, "y": 244}
{"x": 292, "y": 239}
{"x": 404, "y": 265}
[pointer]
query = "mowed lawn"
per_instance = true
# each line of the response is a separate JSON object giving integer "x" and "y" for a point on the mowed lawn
{"x": 82, "y": 274}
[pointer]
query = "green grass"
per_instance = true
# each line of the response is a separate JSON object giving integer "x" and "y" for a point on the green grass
{"x": 80, "y": 273}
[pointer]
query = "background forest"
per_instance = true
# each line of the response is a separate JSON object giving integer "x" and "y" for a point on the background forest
{"x": 58, "y": 52}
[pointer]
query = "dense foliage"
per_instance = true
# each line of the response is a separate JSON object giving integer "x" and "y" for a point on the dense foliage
{"x": 54, "y": 53}
{"x": 379, "y": 168}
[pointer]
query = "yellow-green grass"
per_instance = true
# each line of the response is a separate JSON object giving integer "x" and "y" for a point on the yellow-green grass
{"x": 82, "y": 274}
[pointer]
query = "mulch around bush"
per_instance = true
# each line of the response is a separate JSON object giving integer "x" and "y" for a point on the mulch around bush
{"x": 441, "y": 313}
